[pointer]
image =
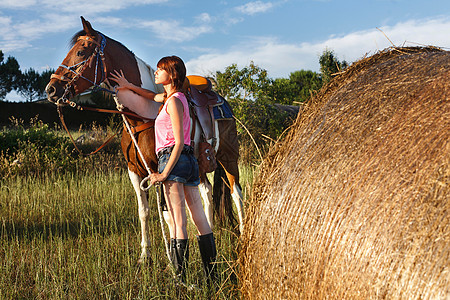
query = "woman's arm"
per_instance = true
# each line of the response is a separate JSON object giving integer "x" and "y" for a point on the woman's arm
{"x": 125, "y": 84}
{"x": 175, "y": 110}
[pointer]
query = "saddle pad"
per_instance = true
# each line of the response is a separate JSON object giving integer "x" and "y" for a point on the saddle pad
{"x": 223, "y": 111}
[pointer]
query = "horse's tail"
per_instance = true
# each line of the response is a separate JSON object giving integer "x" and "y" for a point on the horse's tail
{"x": 223, "y": 208}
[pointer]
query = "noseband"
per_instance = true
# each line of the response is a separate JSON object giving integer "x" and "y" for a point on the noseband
{"x": 99, "y": 57}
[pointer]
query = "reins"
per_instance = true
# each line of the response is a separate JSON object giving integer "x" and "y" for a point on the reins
{"x": 133, "y": 130}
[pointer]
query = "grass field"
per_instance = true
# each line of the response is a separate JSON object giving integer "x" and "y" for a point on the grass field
{"x": 76, "y": 235}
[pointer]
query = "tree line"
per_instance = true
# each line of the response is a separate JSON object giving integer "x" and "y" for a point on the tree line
{"x": 253, "y": 83}
{"x": 30, "y": 84}
{"x": 248, "y": 83}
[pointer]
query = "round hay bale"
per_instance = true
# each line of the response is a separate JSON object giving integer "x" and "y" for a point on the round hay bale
{"x": 354, "y": 202}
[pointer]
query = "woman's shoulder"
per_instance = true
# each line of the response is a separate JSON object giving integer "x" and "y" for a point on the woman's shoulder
{"x": 180, "y": 96}
{"x": 176, "y": 99}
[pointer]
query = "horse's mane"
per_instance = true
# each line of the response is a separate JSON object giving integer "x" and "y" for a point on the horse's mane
{"x": 75, "y": 37}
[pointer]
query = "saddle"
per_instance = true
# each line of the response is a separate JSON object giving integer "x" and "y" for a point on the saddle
{"x": 203, "y": 99}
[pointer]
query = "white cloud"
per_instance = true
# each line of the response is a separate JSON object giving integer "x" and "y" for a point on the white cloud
{"x": 91, "y": 7}
{"x": 280, "y": 59}
{"x": 88, "y": 6}
{"x": 174, "y": 31}
{"x": 14, "y": 4}
{"x": 16, "y": 36}
{"x": 267, "y": 53}
{"x": 204, "y": 18}
{"x": 255, "y": 7}
{"x": 5, "y": 24}
{"x": 109, "y": 21}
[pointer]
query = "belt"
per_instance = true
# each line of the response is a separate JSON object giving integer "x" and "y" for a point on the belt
{"x": 167, "y": 150}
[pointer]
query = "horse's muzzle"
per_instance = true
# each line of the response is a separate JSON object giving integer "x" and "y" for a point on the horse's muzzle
{"x": 52, "y": 96}
{"x": 55, "y": 93}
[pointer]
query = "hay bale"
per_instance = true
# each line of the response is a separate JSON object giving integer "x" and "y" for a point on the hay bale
{"x": 354, "y": 202}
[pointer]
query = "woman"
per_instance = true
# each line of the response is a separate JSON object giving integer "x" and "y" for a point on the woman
{"x": 177, "y": 166}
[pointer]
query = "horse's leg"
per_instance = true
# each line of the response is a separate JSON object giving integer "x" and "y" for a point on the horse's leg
{"x": 143, "y": 215}
{"x": 236, "y": 194}
{"x": 205, "y": 189}
{"x": 227, "y": 142}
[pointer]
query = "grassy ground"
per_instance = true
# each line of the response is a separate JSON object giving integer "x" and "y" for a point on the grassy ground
{"x": 77, "y": 236}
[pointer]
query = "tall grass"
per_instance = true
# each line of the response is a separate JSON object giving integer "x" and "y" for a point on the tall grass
{"x": 76, "y": 235}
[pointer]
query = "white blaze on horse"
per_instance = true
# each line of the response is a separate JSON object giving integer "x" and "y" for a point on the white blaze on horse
{"x": 89, "y": 62}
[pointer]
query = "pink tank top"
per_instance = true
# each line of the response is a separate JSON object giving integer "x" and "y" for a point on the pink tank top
{"x": 163, "y": 126}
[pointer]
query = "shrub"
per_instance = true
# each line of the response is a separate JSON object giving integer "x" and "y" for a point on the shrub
{"x": 38, "y": 149}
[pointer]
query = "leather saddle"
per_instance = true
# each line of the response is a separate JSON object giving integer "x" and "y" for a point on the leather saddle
{"x": 203, "y": 99}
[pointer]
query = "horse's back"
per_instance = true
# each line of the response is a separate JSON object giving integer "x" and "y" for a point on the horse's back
{"x": 148, "y": 77}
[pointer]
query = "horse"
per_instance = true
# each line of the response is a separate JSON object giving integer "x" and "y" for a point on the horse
{"x": 92, "y": 57}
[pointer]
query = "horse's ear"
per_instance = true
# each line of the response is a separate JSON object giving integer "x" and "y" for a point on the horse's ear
{"x": 87, "y": 27}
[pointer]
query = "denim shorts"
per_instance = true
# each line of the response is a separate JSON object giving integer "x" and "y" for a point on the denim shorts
{"x": 184, "y": 171}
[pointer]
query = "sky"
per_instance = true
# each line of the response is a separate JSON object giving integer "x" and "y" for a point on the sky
{"x": 280, "y": 36}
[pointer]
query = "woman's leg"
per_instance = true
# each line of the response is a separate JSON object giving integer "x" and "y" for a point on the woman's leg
{"x": 175, "y": 200}
{"x": 194, "y": 202}
{"x": 205, "y": 238}
{"x": 174, "y": 193}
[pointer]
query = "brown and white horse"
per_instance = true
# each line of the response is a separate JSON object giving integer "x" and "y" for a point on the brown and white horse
{"x": 88, "y": 63}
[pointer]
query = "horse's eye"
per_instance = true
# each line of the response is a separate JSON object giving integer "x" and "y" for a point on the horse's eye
{"x": 80, "y": 53}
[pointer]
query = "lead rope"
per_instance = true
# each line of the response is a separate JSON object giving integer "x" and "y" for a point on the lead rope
{"x": 145, "y": 189}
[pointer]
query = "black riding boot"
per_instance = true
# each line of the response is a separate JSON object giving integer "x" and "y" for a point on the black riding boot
{"x": 208, "y": 252}
{"x": 172, "y": 245}
{"x": 180, "y": 258}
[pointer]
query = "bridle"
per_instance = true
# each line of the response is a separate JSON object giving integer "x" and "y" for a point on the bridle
{"x": 77, "y": 70}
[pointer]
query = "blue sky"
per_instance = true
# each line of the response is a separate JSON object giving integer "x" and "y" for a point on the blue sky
{"x": 280, "y": 36}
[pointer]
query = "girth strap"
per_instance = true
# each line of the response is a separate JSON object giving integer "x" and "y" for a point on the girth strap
{"x": 142, "y": 127}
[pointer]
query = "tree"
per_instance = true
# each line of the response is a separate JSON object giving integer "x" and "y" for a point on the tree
{"x": 249, "y": 83}
{"x": 9, "y": 74}
{"x": 297, "y": 88}
{"x": 329, "y": 64}
{"x": 250, "y": 93}
{"x": 29, "y": 85}
{"x": 282, "y": 91}
{"x": 44, "y": 79}
{"x": 32, "y": 84}
{"x": 306, "y": 82}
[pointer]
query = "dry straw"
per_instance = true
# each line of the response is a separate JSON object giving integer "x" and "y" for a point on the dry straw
{"x": 354, "y": 202}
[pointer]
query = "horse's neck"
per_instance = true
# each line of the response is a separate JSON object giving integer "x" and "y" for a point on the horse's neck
{"x": 148, "y": 77}
{"x": 136, "y": 70}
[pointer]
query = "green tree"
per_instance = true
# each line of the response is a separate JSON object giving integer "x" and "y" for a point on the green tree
{"x": 44, "y": 79}
{"x": 282, "y": 91}
{"x": 32, "y": 84}
{"x": 248, "y": 83}
{"x": 9, "y": 75}
{"x": 250, "y": 93}
{"x": 296, "y": 89}
{"x": 305, "y": 82}
{"x": 329, "y": 64}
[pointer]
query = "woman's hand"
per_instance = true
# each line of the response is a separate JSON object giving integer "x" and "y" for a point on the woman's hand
{"x": 156, "y": 178}
{"x": 120, "y": 79}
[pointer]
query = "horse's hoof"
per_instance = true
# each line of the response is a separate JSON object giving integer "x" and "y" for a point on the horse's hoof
{"x": 187, "y": 286}
{"x": 145, "y": 260}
